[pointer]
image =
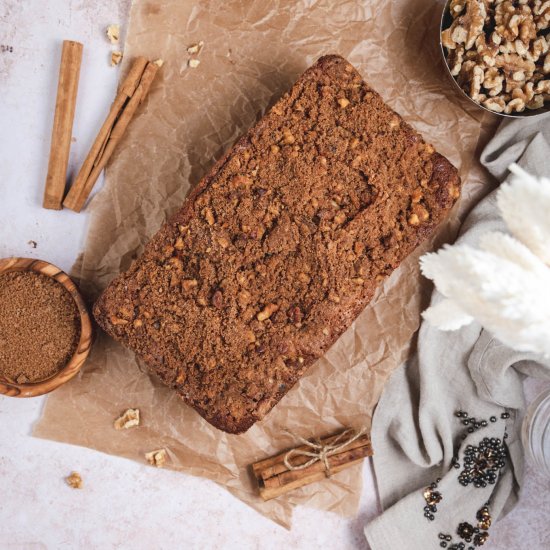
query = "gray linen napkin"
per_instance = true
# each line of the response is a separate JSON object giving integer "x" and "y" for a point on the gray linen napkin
{"x": 417, "y": 437}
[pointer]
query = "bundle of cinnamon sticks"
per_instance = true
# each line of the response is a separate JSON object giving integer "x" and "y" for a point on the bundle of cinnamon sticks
{"x": 310, "y": 462}
{"x": 131, "y": 94}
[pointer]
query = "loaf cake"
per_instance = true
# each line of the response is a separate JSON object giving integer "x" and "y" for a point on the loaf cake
{"x": 278, "y": 249}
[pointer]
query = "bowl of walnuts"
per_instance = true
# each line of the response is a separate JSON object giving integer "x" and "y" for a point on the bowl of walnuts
{"x": 498, "y": 53}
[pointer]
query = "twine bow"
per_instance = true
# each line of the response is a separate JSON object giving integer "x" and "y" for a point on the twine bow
{"x": 321, "y": 452}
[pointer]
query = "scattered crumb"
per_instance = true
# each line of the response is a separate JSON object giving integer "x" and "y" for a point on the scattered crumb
{"x": 113, "y": 33}
{"x": 32, "y": 244}
{"x": 116, "y": 58}
{"x": 74, "y": 480}
{"x": 195, "y": 48}
{"x": 158, "y": 62}
{"x": 156, "y": 458}
{"x": 128, "y": 419}
{"x": 194, "y": 63}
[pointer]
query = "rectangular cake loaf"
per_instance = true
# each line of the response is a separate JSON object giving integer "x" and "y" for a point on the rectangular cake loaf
{"x": 280, "y": 247}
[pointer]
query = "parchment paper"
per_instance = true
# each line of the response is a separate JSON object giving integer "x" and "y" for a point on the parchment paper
{"x": 253, "y": 51}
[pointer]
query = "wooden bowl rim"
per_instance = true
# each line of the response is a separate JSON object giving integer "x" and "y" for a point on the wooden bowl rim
{"x": 73, "y": 366}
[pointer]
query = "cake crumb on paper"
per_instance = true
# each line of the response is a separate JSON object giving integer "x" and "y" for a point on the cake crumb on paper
{"x": 113, "y": 33}
{"x": 156, "y": 458}
{"x": 74, "y": 480}
{"x": 116, "y": 58}
{"x": 158, "y": 62}
{"x": 32, "y": 244}
{"x": 194, "y": 63}
{"x": 128, "y": 419}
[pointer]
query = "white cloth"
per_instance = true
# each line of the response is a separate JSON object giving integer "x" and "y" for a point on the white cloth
{"x": 415, "y": 432}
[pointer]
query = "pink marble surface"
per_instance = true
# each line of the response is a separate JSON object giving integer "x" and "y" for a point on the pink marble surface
{"x": 124, "y": 504}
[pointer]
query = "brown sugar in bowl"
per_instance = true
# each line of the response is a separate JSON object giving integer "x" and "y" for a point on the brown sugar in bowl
{"x": 71, "y": 368}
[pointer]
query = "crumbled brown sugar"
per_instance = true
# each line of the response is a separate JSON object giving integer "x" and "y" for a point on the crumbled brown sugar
{"x": 39, "y": 326}
{"x": 280, "y": 247}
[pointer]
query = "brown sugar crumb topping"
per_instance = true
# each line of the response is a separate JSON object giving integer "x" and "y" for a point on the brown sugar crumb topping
{"x": 39, "y": 326}
{"x": 280, "y": 247}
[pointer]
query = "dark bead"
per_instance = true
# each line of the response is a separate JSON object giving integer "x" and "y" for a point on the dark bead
{"x": 432, "y": 517}
{"x": 493, "y": 419}
{"x": 443, "y": 544}
{"x": 458, "y": 414}
{"x": 466, "y": 422}
{"x": 441, "y": 536}
{"x": 470, "y": 430}
{"x": 438, "y": 480}
{"x": 505, "y": 436}
{"x": 448, "y": 538}
{"x": 484, "y": 423}
{"x": 505, "y": 415}
{"x": 433, "y": 486}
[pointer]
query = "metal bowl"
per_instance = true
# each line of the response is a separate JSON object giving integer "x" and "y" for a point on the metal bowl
{"x": 446, "y": 20}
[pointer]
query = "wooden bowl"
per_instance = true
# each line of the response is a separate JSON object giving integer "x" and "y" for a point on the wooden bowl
{"x": 84, "y": 344}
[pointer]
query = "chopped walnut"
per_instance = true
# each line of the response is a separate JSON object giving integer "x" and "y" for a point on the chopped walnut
{"x": 113, "y": 33}
{"x": 128, "y": 419}
{"x": 343, "y": 102}
{"x": 195, "y": 48}
{"x": 116, "y": 58}
{"x": 267, "y": 312}
{"x": 515, "y": 105}
{"x": 498, "y": 51}
{"x": 208, "y": 215}
{"x": 496, "y": 104}
{"x": 156, "y": 458}
{"x": 74, "y": 480}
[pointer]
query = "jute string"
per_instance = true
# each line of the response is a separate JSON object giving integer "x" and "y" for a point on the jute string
{"x": 320, "y": 452}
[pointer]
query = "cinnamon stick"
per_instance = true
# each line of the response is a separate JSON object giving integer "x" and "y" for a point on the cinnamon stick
{"x": 132, "y": 92}
{"x": 67, "y": 88}
{"x": 275, "y": 478}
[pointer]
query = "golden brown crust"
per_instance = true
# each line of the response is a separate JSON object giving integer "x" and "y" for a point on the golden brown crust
{"x": 280, "y": 247}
